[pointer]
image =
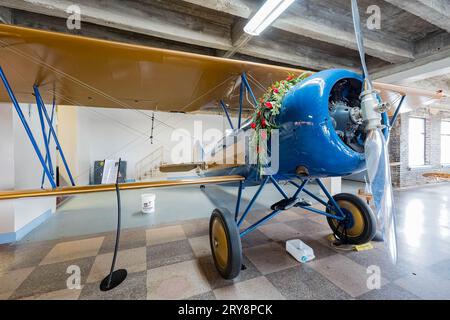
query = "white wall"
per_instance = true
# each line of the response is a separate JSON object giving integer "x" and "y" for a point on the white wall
{"x": 106, "y": 133}
{"x": 6, "y": 167}
{"x": 86, "y": 135}
{"x": 68, "y": 139}
{"x": 20, "y": 168}
{"x": 28, "y": 169}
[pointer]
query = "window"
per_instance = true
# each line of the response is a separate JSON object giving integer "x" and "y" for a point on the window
{"x": 416, "y": 142}
{"x": 445, "y": 142}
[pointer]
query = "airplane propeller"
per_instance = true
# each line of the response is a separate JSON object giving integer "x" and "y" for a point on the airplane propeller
{"x": 376, "y": 149}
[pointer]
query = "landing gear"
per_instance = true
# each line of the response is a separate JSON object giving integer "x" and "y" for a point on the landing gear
{"x": 225, "y": 242}
{"x": 359, "y": 225}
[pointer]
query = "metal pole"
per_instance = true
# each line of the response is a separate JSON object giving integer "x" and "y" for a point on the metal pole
{"x": 115, "y": 277}
{"x": 224, "y": 107}
{"x": 301, "y": 188}
{"x": 63, "y": 158}
{"x": 397, "y": 111}
{"x": 241, "y": 102}
{"x": 312, "y": 195}
{"x": 238, "y": 202}
{"x": 275, "y": 183}
{"x": 260, "y": 222}
{"x": 250, "y": 205}
{"x": 48, "y": 160}
{"x": 26, "y": 126}
{"x": 333, "y": 202}
{"x": 49, "y": 137}
{"x": 247, "y": 85}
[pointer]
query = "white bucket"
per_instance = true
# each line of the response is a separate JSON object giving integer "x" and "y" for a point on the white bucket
{"x": 148, "y": 203}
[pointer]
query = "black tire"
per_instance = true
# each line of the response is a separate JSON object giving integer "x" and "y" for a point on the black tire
{"x": 360, "y": 227}
{"x": 225, "y": 242}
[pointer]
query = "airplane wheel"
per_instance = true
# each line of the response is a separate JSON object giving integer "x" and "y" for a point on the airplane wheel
{"x": 360, "y": 225}
{"x": 225, "y": 242}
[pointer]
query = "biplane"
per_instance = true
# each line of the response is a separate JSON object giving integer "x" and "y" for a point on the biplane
{"x": 438, "y": 176}
{"x": 332, "y": 123}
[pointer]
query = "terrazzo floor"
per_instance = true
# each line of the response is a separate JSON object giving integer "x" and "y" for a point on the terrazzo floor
{"x": 172, "y": 260}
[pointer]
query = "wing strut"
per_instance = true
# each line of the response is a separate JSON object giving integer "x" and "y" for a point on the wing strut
{"x": 244, "y": 88}
{"x": 27, "y": 128}
{"x": 43, "y": 114}
{"x": 42, "y": 109}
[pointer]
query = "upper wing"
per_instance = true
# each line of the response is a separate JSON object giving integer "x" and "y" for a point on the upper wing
{"x": 91, "y": 72}
{"x": 414, "y": 98}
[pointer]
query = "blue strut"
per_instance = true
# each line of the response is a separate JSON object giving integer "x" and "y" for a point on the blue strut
{"x": 339, "y": 216}
{"x": 224, "y": 107}
{"x": 26, "y": 127}
{"x": 48, "y": 156}
{"x": 244, "y": 87}
{"x": 41, "y": 105}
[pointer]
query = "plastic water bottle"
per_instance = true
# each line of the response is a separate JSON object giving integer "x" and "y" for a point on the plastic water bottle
{"x": 300, "y": 250}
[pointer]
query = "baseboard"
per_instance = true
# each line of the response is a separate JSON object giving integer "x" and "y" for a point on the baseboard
{"x": 10, "y": 237}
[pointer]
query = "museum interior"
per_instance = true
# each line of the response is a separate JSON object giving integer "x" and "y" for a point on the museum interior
{"x": 225, "y": 150}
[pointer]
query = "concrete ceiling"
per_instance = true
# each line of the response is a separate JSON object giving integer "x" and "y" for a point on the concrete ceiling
{"x": 413, "y": 42}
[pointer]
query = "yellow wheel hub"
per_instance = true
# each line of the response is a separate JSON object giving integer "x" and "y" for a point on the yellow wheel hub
{"x": 220, "y": 243}
{"x": 358, "y": 221}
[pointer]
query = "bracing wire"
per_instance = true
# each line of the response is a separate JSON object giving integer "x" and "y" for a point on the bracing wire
{"x": 98, "y": 91}
{"x": 103, "y": 94}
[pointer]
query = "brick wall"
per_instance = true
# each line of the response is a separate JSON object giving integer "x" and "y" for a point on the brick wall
{"x": 402, "y": 174}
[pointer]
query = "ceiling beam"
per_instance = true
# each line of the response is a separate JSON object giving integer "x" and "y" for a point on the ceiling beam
{"x": 295, "y": 54}
{"x": 239, "y": 38}
{"x": 5, "y": 15}
{"x": 330, "y": 27}
{"x": 419, "y": 69}
{"x": 433, "y": 59}
{"x": 153, "y": 21}
{"x": 135, "y": 17}
{"x": 436, "y": 12}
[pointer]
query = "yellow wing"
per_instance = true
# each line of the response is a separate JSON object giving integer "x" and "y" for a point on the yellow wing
{"x": 90, "y": 72}
{"x": 414, "y": 98}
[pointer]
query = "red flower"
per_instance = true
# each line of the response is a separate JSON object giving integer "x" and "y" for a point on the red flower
{"x": 290, "y": 78}
{"x": 263, "y": 123}
{"x": 269, "y": 105}
{"x": 264, "y": 135}
{"x": 276, "y": 91}
{"x": 253, "y": 125}
{"x": 259, "y": 114}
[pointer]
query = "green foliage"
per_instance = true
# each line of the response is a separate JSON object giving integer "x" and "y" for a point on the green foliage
{"x": 264, "y": 118}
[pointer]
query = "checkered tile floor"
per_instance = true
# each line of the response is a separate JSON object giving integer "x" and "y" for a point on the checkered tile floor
{"x": 174, "y": 262}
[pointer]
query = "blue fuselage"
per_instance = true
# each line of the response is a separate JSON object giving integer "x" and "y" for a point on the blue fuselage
{"x": 309, "y": 142}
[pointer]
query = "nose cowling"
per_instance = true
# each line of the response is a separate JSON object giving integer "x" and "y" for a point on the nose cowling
{"x": 311, "y": 140}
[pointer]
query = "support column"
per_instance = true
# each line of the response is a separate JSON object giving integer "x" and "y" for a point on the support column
{"x": 19, "y": 169}
{"x": 334, "y": 185}
{"x": 6, "y": 172}
{"x": 6, "y": 15}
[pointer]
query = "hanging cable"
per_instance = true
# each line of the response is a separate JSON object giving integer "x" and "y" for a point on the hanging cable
{"x": 153, "y": 123}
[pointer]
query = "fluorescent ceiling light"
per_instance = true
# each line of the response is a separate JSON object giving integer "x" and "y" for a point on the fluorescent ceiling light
{"x": 267, "y": 14}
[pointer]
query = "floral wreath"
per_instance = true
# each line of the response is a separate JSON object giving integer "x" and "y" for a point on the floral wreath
{"x": 264, "y": 117}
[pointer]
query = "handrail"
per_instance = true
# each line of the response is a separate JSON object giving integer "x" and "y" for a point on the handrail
{"x": 148, "y": 161}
